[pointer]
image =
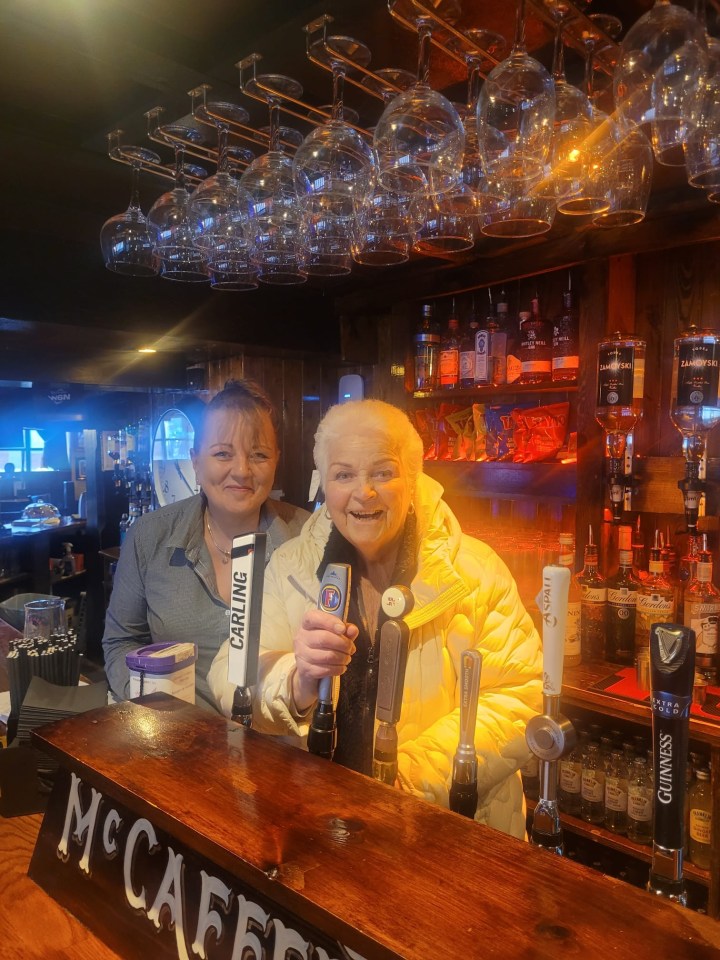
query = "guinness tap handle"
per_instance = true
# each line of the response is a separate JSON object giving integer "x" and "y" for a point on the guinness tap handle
{"x": 334, "y": 598}
{"x": 672, "y": 673}
{"x": 463, "y": 790}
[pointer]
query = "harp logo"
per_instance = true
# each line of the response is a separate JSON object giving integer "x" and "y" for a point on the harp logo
{"x": 669, "y": 644}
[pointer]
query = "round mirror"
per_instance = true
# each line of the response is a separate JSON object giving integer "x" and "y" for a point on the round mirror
{"x": 173, "y": 474}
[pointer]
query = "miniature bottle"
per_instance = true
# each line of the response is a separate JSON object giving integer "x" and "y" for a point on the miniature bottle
{"x": 700, "y": 805}
{"x": 622, "y": 590}
{"x": 616, "y": 793}
{"x": 593, "y": 602}
{"x": 592, "y": 800}
{"x": 572, "y": 652}
{"x": 570, "y": 778}
{"x": 639, "y": 809}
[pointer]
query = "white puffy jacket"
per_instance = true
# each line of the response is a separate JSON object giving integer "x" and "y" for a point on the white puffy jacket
{"x": 464, "y": 597}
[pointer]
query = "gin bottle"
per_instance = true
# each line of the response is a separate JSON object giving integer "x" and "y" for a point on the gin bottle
{"x": 593, "y": 602}
{"x": 622, "y": 590}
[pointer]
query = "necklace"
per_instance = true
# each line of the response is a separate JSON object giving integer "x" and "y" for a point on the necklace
{"x": 226, "y": 554}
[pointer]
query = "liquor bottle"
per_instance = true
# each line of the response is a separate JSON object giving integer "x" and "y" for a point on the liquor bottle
{"x": 483, "y": 353}
{"x": 655, "y": 599}
{"x": 640, "y": 801}
{"x": 450, "y": 355}
{"x": 570, "y": 778}
{"x": 535, "y": 346}
{"x": 622, "y": 590}
{"x": 499, "y": 341}
{"x": 592, "y": 797}
{"x": 701, "y": 612}
{"x": 638, "y": 550}
{"x": 700, "y": 804}
{"x": 572, "y": 655}
{"x": 565, "y": 351}
{"x": 621, "y": 383}
{"x": 593, "y": 601}
{"x": 427, "y": 352}
{"x": 686, "y": 571}
{"x": 467, "y": 353}
{"x": 616, "y": 793}
{"x": 124, "y": 524}
{"x": 530, "y": 774}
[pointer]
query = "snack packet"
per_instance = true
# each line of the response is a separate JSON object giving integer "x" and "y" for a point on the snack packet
{"x": 462, "y": 423}
{"x": 447, "y": 436}
{"x": 478, "y": 411}
{"x": 426, "y": 425}
{"x": 546, "y": 427}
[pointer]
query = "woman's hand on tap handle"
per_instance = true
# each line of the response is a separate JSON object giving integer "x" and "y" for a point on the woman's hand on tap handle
{"x": 323, "y": 647}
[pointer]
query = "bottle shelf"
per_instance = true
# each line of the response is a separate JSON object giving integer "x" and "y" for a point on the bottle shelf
{"x": 509, "y": 389}
{"x": 15, "y": 578}
{"x": 69, "y": 576}
{"x": 489, "y": 479}
{"x": 621, "y": 844}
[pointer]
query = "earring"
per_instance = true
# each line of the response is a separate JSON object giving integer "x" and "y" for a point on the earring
{"x": 411, "y": 509}
{"x": 327, "y": 515}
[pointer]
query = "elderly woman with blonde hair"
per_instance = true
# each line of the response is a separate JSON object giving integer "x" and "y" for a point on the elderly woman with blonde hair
{"x": 388, "y": 520}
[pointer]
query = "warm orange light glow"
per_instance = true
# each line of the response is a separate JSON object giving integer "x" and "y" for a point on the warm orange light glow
{"x": 147, "y": 350}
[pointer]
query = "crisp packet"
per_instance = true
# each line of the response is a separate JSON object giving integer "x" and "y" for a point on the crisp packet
{"x": 426, "y": 425}
{"x": 501, "y": 420}
{"x": 462, "y": 423}
{"x": 478, "y": 411}
{"x": 547, "y": 428}
{"x": 447, "y": 436}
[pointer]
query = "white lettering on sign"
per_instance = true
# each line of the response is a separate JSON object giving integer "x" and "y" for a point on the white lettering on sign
{"x": 254, "y": 926}
{"x": 84, "y": 823}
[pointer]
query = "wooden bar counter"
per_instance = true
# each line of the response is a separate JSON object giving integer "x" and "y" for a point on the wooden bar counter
{"x": 288, "y": 840}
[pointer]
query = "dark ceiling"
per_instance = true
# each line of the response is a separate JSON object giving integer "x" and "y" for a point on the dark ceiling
{"x": 73, "y": 70}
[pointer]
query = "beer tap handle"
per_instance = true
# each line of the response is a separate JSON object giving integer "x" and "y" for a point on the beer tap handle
{"x": 464, "y": 791}
{"x": 246, "y": 591}
{"x": 334, "y": 598}
{"x": 394, "y": 637}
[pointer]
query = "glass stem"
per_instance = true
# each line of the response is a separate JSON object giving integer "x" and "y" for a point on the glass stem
{"x": 589, "y": 78}
{"x": 222, "y": 164}
{"x": 179, "y": 166}
{"x": 338, "y": 91}
{"x": 135, "y": 187}
{"x": 474, "y": 79}
{"x": 424, "y": 28}
{"x": 519, "y": 42}
{"x": 558, "y": 67}
{"x": 274, "y": 106}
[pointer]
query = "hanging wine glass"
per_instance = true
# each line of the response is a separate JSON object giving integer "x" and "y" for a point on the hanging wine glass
{"x": 218, "y": 213}
{"x": 388, "y": 223}
{"x": 173, "y": 238}
{"x": 601, "y": 137}
{"x": 125, "y": 240}
{"x": 419, "y": 139}
{"x": 573, "y": 116}
{"x": 630, "y": 165}
{"x": 663, "y": 57}
{"x": 515, "y": 115}
{"x": 334, "y": 170}
{"x": 273, "y": 223}
{"x": 702, "y": 143}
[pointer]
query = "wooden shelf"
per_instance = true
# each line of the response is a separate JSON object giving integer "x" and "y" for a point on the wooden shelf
{"x": 69, "y": 576}
{"x": 15, "y": 578}
{"x": 622, "y": 844}
{"x": 510, "y": 481}
{"x": 508, "y": 389}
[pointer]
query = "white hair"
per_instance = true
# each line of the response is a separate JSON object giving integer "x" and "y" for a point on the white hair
{"x": 343, "y": 420}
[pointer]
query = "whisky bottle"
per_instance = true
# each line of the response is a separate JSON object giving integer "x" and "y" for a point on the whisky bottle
{"x": 427, "y": 352}
{"x": 700, "y": 804}
{"x": 499, "y": 341}
{"x": 616, "y": 793}
{"x": 655, "y": 599}
{"x": 535, "y": 346}
{"x": 640, "y": 800}
{"x": 450, "y": 355}
{"x": 572, "y": 653}
{"x": 593, "y": 602}
{"x": 622, "y": 590}
{"x": 701, "y": 612}
{"x": 467, "y": 354}
{"x": 592, "y": 798}
{"x": 565, "y": 352}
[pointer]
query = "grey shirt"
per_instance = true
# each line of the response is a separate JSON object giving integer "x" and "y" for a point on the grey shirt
{"x": 164, "y": 589}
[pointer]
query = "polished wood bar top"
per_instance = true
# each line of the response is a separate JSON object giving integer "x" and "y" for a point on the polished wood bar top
{"x": 32, "y": 925}
{"x": 387, "y": 874}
